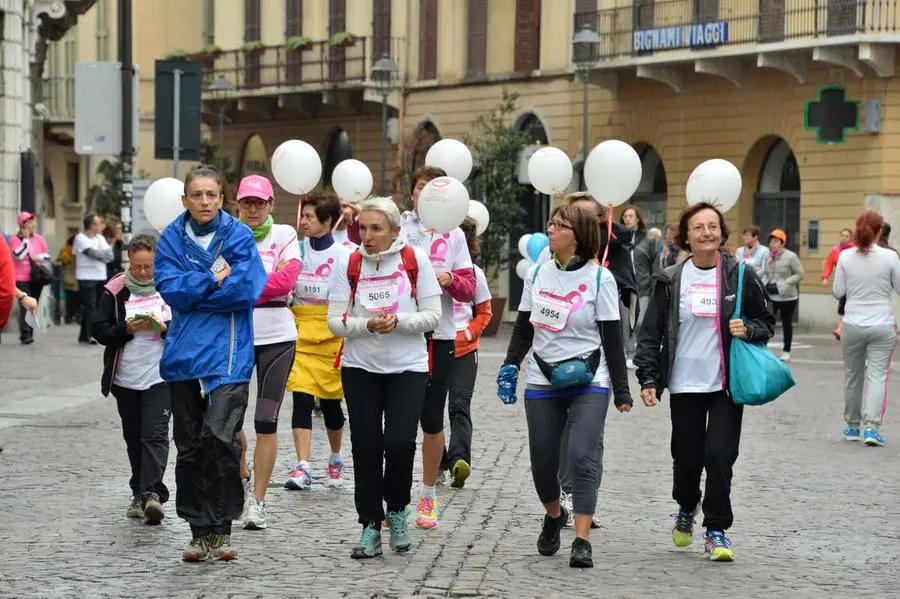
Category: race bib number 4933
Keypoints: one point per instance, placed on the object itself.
(703, 300)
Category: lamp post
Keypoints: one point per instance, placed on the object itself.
(221, 85)
(384, 73)
(584, 45)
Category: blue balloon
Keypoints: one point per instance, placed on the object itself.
(536, 245)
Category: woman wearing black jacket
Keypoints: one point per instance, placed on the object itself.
(131, 322)
(684, 346)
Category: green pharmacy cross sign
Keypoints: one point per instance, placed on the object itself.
(831, 115)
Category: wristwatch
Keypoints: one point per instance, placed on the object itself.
(21, 297)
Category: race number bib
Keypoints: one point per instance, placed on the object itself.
(703, 300)
(379, 294)
(311, 288)
(550, 312)
(152, 305)
(268, 260)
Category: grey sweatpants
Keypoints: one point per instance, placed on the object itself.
(866, 350)
(585, 415)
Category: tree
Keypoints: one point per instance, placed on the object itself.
(105, 197)
(496, 146)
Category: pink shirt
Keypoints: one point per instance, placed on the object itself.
(37, 248)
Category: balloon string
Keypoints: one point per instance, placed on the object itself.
(338, 223)
(609, 237)
(299, 210)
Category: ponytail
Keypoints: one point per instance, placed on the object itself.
(868, 228)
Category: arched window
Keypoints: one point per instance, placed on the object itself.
(776, 204)
(254, 159)
(337, 151)
(651, 194)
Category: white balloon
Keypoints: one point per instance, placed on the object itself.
(550, 170)
(715, 181)
(443, 204)
(352, 180)
(296, 167)
(522, 267)
(451, 155)
(162, 202)
(612, 172)
(479, 213)
(523, 244)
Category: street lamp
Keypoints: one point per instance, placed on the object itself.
(584, 45)
(222, 85)
(384, 73)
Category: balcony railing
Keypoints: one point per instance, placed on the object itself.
(647, 27)
(274, 68)
(59, 97)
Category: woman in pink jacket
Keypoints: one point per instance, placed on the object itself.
(28, 248)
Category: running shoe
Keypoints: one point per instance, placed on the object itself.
(443, 476)
(461, 471)
(683, 531)
(220, 548)
(369, 543)
(135, 510)
(548, 540)
(851, 433)
(718, 547)
(335, 474)
(582, 554)
(785, 356)
(386, 524)
(872, 437)
(196, 551)
(400, 540)
(256, 515)
(566, 501)
(427, 513)
(153, 510)
(300, 478)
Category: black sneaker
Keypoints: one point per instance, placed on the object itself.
(548, 541)
(581, 554)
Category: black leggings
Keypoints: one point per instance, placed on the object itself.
(303, 408)
(443, 352)
(273, 366)
(787, 320)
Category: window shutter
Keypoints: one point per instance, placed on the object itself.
(585, 14)
(428, 34)
(476, 59)
(528, 36)
(706, 11)
(293, 17)
(251, 20)
(381, 29)
(337, 23)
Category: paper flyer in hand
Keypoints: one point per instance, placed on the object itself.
(152, 305)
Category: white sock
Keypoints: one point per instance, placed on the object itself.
(336, 458)
(428, 492)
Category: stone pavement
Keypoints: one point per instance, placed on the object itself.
(815, 516)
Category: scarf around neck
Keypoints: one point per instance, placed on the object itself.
(262, 231)
(207, 229)
(321, 243)
(138, 287)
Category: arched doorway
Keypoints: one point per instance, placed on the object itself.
(776, 204)
(254, 159)
(424, 136)
(651, 194)
(535, 204)
(338, 150)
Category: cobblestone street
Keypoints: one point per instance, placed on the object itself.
(815, 516)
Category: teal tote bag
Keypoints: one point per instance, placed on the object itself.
(755, 375)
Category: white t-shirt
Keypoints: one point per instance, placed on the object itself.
(447, 252)
(698, 365)
(317, 272)
(201, 240)
(276, 325)
(545, 255)
(138, 366)
(565, 307)
(396, 351)
(87, 268)
(340, 237)
(462, 311)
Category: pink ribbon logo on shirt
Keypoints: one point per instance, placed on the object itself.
(576, 298)
(440, 248)
(324, 270)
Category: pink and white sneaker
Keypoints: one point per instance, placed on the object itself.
(335, 474)
(300, 478)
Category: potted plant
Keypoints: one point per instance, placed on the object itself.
(299, 43)
(253, 48)
(208, 53)
(175, 55)
(343, 39)
(496, 144)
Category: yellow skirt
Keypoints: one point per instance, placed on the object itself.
(314, 372)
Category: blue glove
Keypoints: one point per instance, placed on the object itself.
(506, 383)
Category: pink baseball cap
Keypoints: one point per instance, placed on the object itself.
(24, 217)
(255, 186)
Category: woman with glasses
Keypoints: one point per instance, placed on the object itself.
(569, 316)
(684, 346)
(274, 333)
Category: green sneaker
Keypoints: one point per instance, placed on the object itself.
(400, 541)
(369, 543)
(220, 548)
(461, 471)
(683, 531)
(386, 524)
